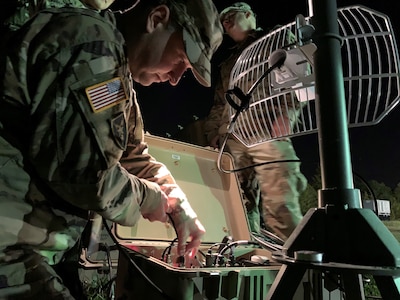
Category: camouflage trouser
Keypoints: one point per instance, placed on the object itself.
(27, 275)
(279, 184)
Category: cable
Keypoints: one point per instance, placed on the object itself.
(374, 198)
(265, 244)
(219, 159)
(276, 60)
(123, 6)
(163, 257)
(133, 263)
(272, 236)
(180, 260)
(111, 294)
(236, 243)
(217, 244)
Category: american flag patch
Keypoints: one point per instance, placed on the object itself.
(106, 94)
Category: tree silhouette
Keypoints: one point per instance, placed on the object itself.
(369, 190)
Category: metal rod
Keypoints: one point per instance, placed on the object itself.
(336, 170)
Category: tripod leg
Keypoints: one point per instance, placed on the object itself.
(353, 286)
(388, 286)
(286, 282)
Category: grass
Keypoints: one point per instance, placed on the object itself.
(371, 290)
(394, 228)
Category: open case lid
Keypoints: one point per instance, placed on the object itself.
(215, 196)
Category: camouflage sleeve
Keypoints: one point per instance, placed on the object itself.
(136, 158)
(77, 88)
(138, 161)
(17, 12)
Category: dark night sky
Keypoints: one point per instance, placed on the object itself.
(374, 149)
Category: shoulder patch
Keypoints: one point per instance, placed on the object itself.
(106, 94)
(119, 129)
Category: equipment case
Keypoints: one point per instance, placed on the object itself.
(216, 198)
(146, 256)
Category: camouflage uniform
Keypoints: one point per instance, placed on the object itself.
(17, 12)
(278, 185)
(61, 149)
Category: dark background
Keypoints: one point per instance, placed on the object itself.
(374, 149)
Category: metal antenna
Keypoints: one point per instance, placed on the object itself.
(351, 240)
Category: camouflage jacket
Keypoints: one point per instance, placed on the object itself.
(17, 12)
(218, 118)
(71, 134)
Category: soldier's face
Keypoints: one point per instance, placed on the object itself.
(168, 63)
(236, 24)
(160, 54)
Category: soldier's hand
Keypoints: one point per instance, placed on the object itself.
(156, 210)
(188, 228)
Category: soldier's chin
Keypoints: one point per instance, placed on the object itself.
(99, 4)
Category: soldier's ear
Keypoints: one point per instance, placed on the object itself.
(158, 15)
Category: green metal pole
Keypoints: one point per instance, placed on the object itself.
(336, 170)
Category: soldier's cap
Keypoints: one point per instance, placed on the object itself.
(202, 34)
(237, 6)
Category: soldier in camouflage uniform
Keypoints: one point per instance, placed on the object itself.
(278, 185)
(71, 133)
(16, 12)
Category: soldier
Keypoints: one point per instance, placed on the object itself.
(275, 188)
(16, 12)
(71, 133)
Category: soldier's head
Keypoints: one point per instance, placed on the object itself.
(238, 19)
(167, 37)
